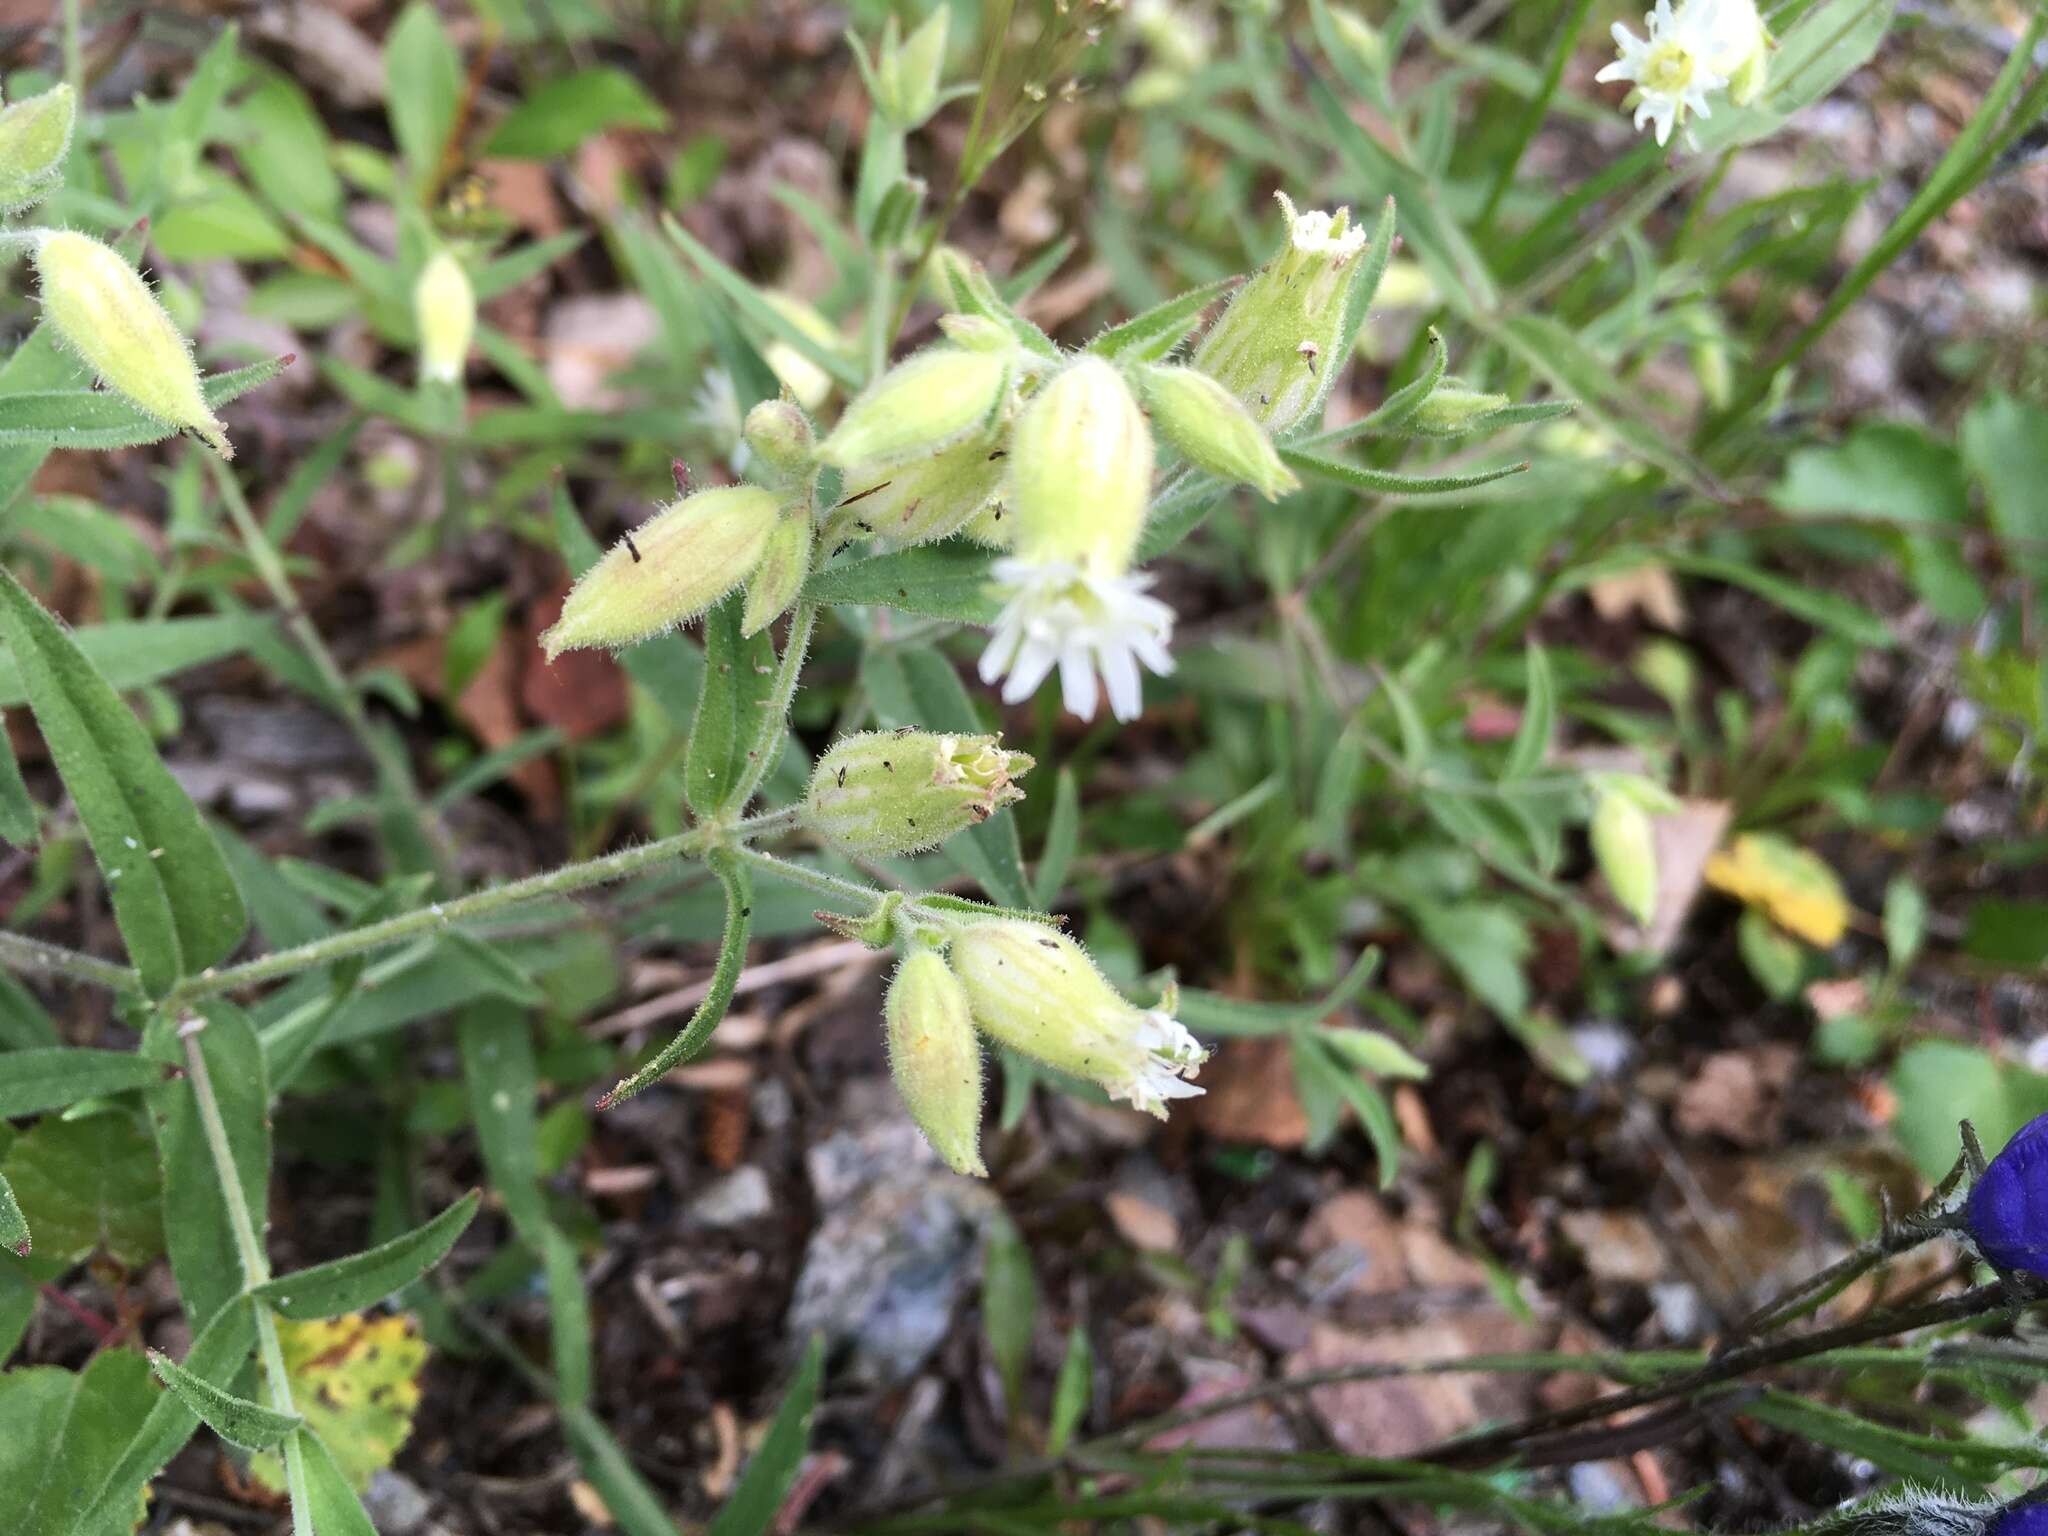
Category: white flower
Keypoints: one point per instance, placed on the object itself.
(1318, 233)
(1674, 69)
(1171, 1055)
(1083, 621)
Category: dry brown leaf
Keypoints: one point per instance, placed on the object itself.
(1143, 1224)
(1253, 1098)
(1648, 590)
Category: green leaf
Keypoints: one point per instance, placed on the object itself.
(39, 363)
(95, 418)
(1155, 334)
(2005, 443)
(2011, 934)
(14, 1231)
(133, 655)
(60, 1434)
(1905, 922)
(1823, 610)
(89, 1186)
(625, 1492)
(1387, 482)
(1214, 1014)
(1072, 1392)
(1062, 841)
(236, 1420)
(759, 314)
(754, 1504)
(1938, 1083)
(949, 580)
(216, 1356)
(1539, 718)
(364, 1279)
(497, 1065)
(1828, 43)
(197, 1227)
(1009, 1306)
(332, 1503)
(285, 150)
(59, 1076)
(563, 112)
(175, 902)
(739, 679)
(1486, 944)
(423, 87)
(19, 819)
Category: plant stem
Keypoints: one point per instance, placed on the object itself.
(32, 957)
(74, 50)
(811, 879)
(255, 1265)
(441, 914)
(385, 753)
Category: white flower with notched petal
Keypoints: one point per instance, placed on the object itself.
(1057, 614)
(1674, 68)
(1081, 476)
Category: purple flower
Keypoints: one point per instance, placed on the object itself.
(2029, 1519)
(2008, 1219)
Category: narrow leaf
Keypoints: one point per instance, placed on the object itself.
(56, 1077)
(364, 1279)
(14, 1232)
(1387, 482)
(235, 1419)
(754, 1504)
(1539, 718)
(332, 1503)
(1149, 337)
(176, 904)
(739, 678)
(941, 581)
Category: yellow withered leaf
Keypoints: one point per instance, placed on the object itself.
(1792, 887)
(357, 1381)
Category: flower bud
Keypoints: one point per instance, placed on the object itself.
(1625, 848)
(779, 434)
(916, 503)
(104, 311)
(1451, 409)
(935, 1057)
(920, 406)
(890, 792)
(1361, 37)
(1081, 470)
(907, 71)
(978, 333)
(1210, 425)
(2007, 1213)
(35, 136)
(444, 313)
(779, 574)
(804, 379)
(1035, 990)
(1276, 346)
(1740, 50)
(668, 570)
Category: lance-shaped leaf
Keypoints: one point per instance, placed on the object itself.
(1386, 482)
(235, 1419)
(56, 1077)
(175, 902)
(95, 418)
(364, 1279)
(14, 1232)
(1152, 336)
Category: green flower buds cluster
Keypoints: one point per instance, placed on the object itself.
(1025, 985)
(444, 314)
(670, 569)
(883, 793)
(105, 312)
(929, 402)
(1624, 841)
(1276, 346)
(35, 136)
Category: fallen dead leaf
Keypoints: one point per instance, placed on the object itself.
(1738, 1094)
(582, 694)
(590, 1504)
(1141, 1223)
(1685, 839)
(1398, 1416)
(1253, 1098)
(1648, 590)
(1620, 1247)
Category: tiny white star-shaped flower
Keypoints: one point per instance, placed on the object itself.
(1673, 69)
(1082, 621)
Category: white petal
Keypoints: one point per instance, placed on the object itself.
(1077, 684)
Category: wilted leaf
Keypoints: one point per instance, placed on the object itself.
(1785, 882)
(357, 1382)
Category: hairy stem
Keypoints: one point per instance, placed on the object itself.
(32, 957)
(255, 1265)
